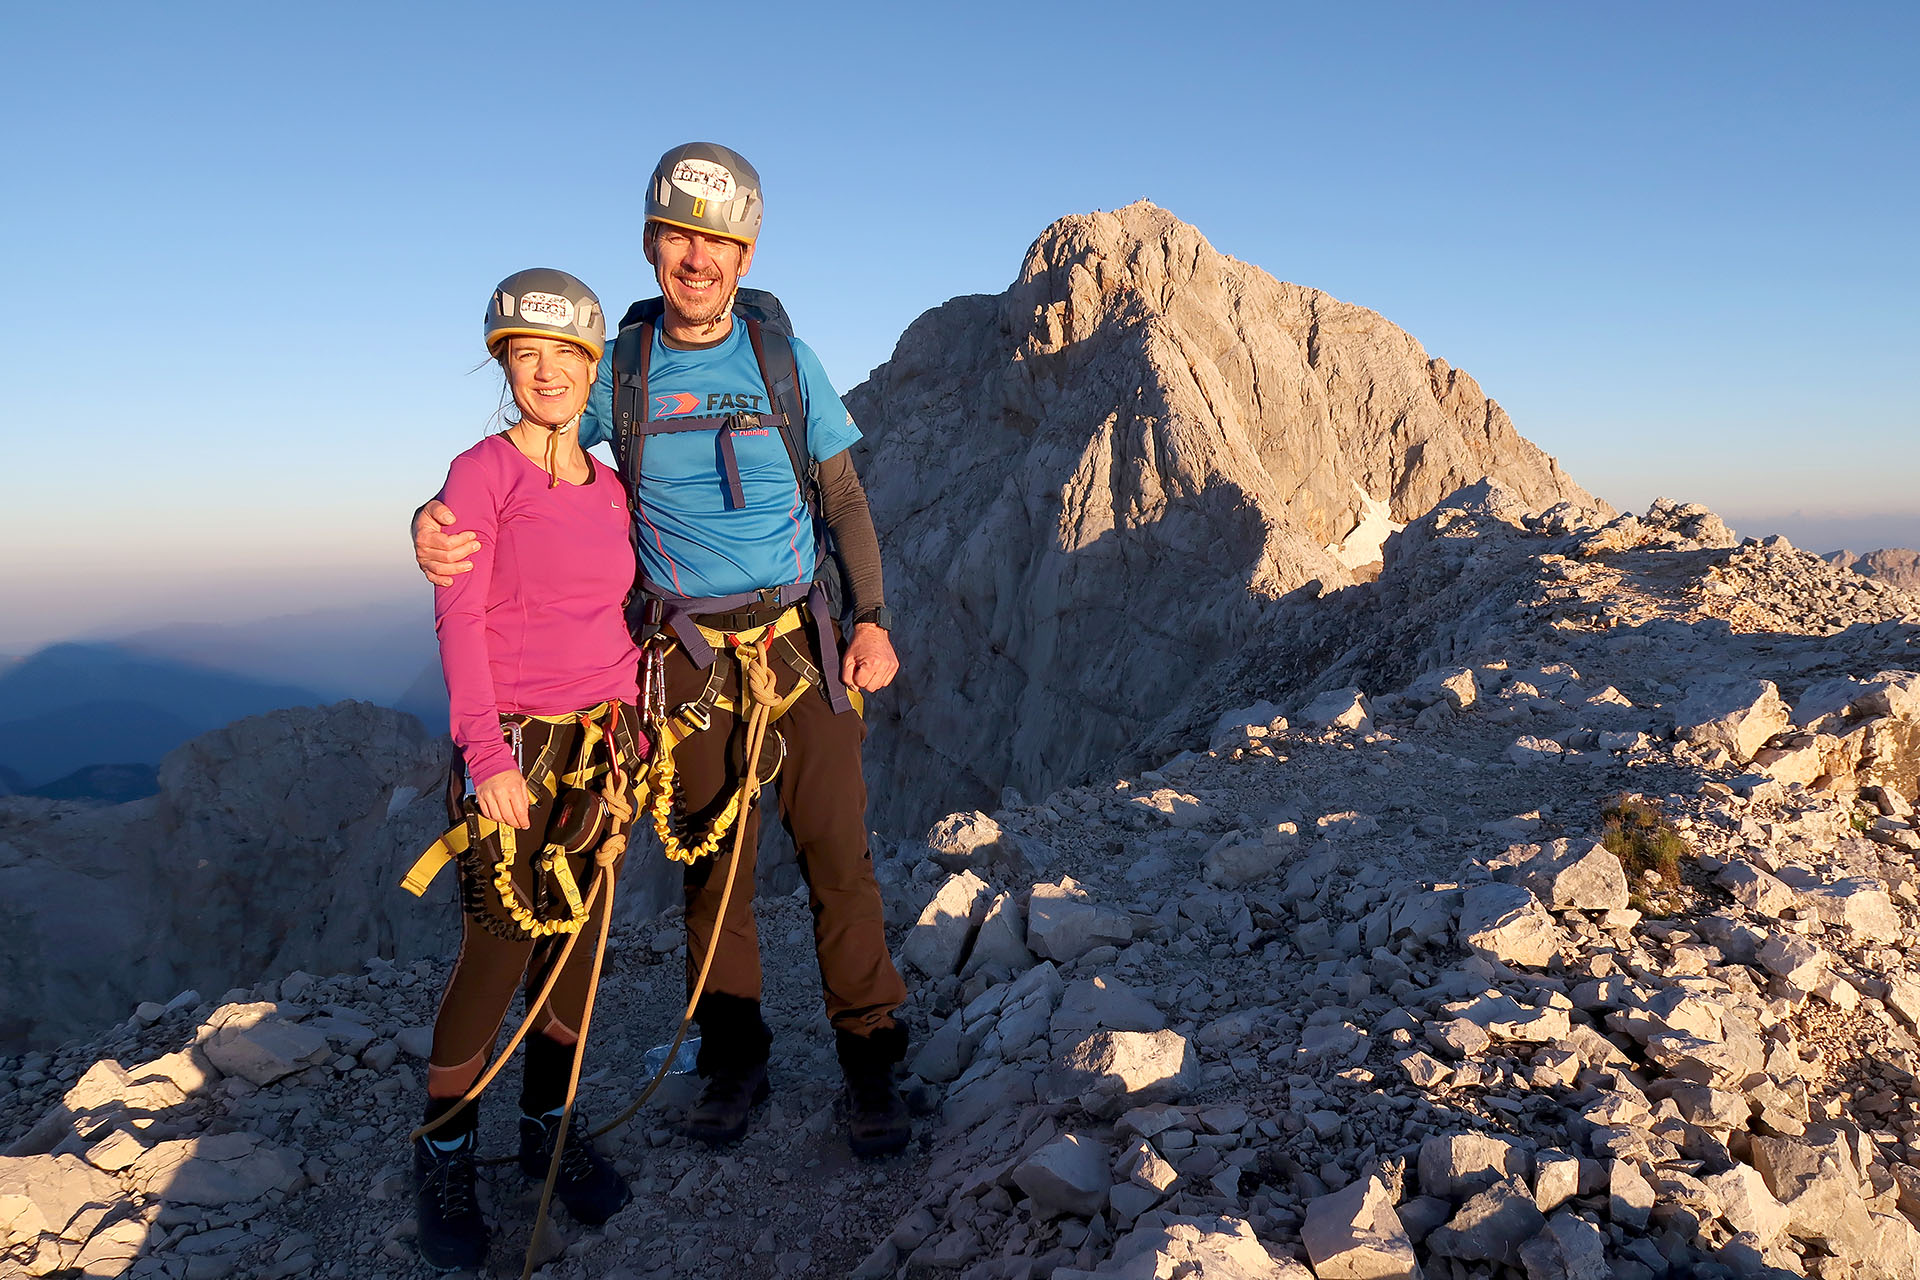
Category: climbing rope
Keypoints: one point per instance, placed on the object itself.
(603, 859)
(620, 812)
(544, 782)
(663, 800)
(757, 682)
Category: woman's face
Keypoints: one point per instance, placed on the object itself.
(551, 379)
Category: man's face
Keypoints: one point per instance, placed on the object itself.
(698, 272)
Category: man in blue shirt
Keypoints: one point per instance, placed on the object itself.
(726, 540)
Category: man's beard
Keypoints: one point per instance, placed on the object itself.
(707, 309)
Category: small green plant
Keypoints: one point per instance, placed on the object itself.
(1635, 831)
(1860, 822)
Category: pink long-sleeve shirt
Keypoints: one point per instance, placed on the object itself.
(536, 626)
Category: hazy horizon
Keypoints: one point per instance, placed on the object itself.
(398, 587)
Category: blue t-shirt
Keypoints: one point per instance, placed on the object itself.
(692, 540)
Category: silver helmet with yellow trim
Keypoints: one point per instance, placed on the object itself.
(704, 186)
(541, 302)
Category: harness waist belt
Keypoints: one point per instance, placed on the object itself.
(684, 614)
(743, 619)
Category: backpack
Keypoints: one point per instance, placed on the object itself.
(770, 332)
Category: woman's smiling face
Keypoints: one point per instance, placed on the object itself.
(551, 378)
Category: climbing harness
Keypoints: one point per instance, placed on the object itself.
(758, 689)
(663, 800)
(488, 893)
(583, 817)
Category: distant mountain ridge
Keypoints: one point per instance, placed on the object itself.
(73, 705)
(1897, 565)
(103, 784)
(373, 651)
(101, 704)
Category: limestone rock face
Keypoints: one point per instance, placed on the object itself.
(274, 844)
(1088, 487)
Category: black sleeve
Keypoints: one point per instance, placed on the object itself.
(843, 504)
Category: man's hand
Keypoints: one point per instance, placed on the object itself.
(868, 662)
(441, 557)
(503, 797)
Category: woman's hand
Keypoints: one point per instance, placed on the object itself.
(503, 797)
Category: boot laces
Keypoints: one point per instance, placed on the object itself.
(452, 1182)
(579, 1163)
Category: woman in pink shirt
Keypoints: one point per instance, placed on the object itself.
(538, 662)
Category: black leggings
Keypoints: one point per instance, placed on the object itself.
(490, 967)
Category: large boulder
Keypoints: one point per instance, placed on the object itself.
(1216, 1248)
(1735, 713)
(217, 1169)
(1109, 1071)
(1566, 874)
(1064, 922)
(1354, 1234)
(938, 940)
(42, 1194)
(1071, 1174)
(1505, 922)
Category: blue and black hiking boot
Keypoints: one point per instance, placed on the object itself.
(590, 1187)
(452, 1234)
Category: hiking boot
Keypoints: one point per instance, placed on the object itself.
(590, 1187)
(877, 1123)
(734, 1042)
(727, 1103)
(452, 1234)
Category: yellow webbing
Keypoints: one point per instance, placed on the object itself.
(786, 623)
(756, 678)
(613, 791)
(457, 840)
(658, 782)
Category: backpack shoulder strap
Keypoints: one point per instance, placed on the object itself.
(632, 353)
(781, 372)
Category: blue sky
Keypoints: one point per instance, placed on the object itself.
(249, 245)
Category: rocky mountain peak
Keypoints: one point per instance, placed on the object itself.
(1090, 486)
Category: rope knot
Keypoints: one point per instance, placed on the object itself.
(756, 669)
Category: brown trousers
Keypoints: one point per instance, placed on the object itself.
(823, 805)
(489, 968)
